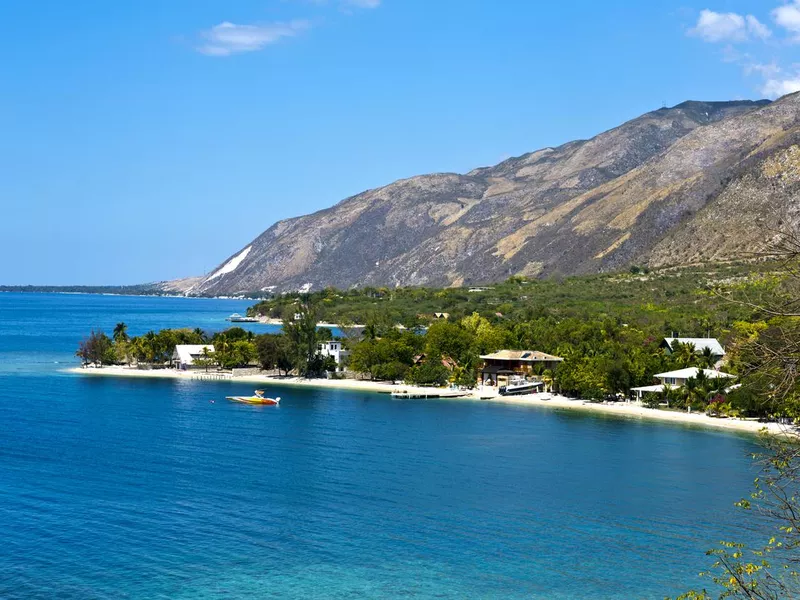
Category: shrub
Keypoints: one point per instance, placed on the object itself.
(652, 400)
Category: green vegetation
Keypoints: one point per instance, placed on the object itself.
(670, 300)
(234, 348)
(608, 329)
(766, 353)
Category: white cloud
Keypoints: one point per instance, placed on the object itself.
(788, 17)
(775, 88)
(769, 70)
(728, 27)
(757, 29)
(720, 27)
(228, 38)
(777, 75)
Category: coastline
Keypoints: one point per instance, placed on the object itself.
(621, 410)
(271, 321)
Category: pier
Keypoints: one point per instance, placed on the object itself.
(212, 376)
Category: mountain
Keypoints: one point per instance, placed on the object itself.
(700, 181)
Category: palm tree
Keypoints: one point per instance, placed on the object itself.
(716, 387)
(120, 333)
(707, 359)
(149, 348)
(698, 388)
(547, 378)
(685, 354)
(691, 389)
(222, 349)
(134, 350)
(207, 357)
(703, 380)
(671, 395)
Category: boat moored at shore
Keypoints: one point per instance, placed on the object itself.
(521, 387)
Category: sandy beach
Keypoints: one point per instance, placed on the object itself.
(619, 409)
(270, 321)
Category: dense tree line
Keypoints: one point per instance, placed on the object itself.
(294, 350)
(672, 300)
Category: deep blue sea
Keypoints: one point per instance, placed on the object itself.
(115, 488)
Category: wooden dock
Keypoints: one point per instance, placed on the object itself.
(424, 394)
(212, 376)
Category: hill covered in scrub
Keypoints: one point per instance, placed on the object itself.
(699, 182)
(680, 301)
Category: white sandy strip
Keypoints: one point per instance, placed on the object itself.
(271, 321)
(630, 411)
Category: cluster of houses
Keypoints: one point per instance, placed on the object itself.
(508, 368)
(678, 379)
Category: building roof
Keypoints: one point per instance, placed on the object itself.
(692, 372)
(649, 389)
(447, 362)
(700, 344)
(522, 356)
(187, 353)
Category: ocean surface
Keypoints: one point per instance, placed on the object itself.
(115, 488)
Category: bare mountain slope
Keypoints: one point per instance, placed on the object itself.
(641, 193)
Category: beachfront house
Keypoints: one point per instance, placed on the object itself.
(336, 351)
(184, 356)
(701, 345)
(502, 367)
(678, 379)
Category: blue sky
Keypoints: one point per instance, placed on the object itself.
(149, 139)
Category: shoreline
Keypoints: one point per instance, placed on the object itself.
(272, 321)
(622, 410)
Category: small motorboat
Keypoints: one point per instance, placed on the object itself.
(257, 398)
(521, 387)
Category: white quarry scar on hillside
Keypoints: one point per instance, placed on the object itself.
(232, 264)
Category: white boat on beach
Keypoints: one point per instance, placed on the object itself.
(521, 387)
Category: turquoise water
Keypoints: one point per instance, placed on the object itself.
(114, 488)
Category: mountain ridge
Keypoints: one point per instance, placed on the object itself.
(585, 206)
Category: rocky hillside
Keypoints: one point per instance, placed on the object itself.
(700, 181)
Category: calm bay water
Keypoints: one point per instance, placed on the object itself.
(113, 488)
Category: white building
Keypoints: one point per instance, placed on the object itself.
(335, 350)
(700, 346)
(678, 379)
(184, 355)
